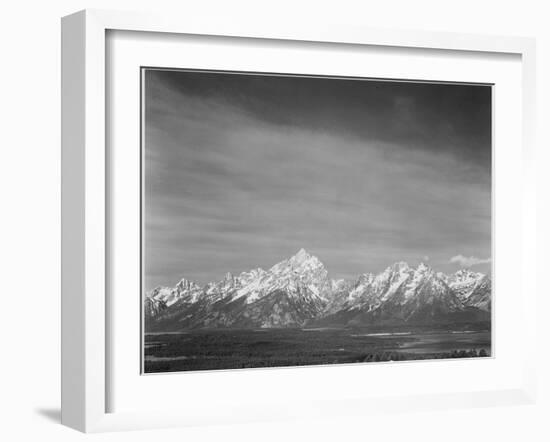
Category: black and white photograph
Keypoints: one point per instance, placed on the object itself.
(294, 220)
(275, 221)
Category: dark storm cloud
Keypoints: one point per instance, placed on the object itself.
(241, 171)
(439, 117)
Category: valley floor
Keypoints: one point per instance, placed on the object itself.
(230, 349)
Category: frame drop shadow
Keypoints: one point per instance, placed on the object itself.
(51, 414)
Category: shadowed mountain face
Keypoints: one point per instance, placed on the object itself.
(298, 291)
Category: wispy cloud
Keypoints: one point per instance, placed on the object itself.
(232, 182)
(468, 261)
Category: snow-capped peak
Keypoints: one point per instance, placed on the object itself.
(300, 256)
(184, 289)
(465, 274)
(228, 278)
(464, 282)
(423, 268)
(400, 266)
(301, 262)
(185, 284)
(302, 259)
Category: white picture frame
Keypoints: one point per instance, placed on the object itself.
(86, 202)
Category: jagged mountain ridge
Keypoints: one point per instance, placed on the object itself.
(298, 291)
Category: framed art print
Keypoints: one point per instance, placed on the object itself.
(251, 211)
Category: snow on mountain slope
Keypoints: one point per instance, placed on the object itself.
(463, 282)
(298, 291)
(340, 295)
(303, 275)
(161, 294)
(480, 296)
(398, 294)
(288, 294)
(184, 289)
(153, 307)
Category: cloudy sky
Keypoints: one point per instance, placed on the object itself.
(241, 171)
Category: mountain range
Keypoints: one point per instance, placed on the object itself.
(298, 292)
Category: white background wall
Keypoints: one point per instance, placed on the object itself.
(30, 221)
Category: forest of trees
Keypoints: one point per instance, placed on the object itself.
(387, 356)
